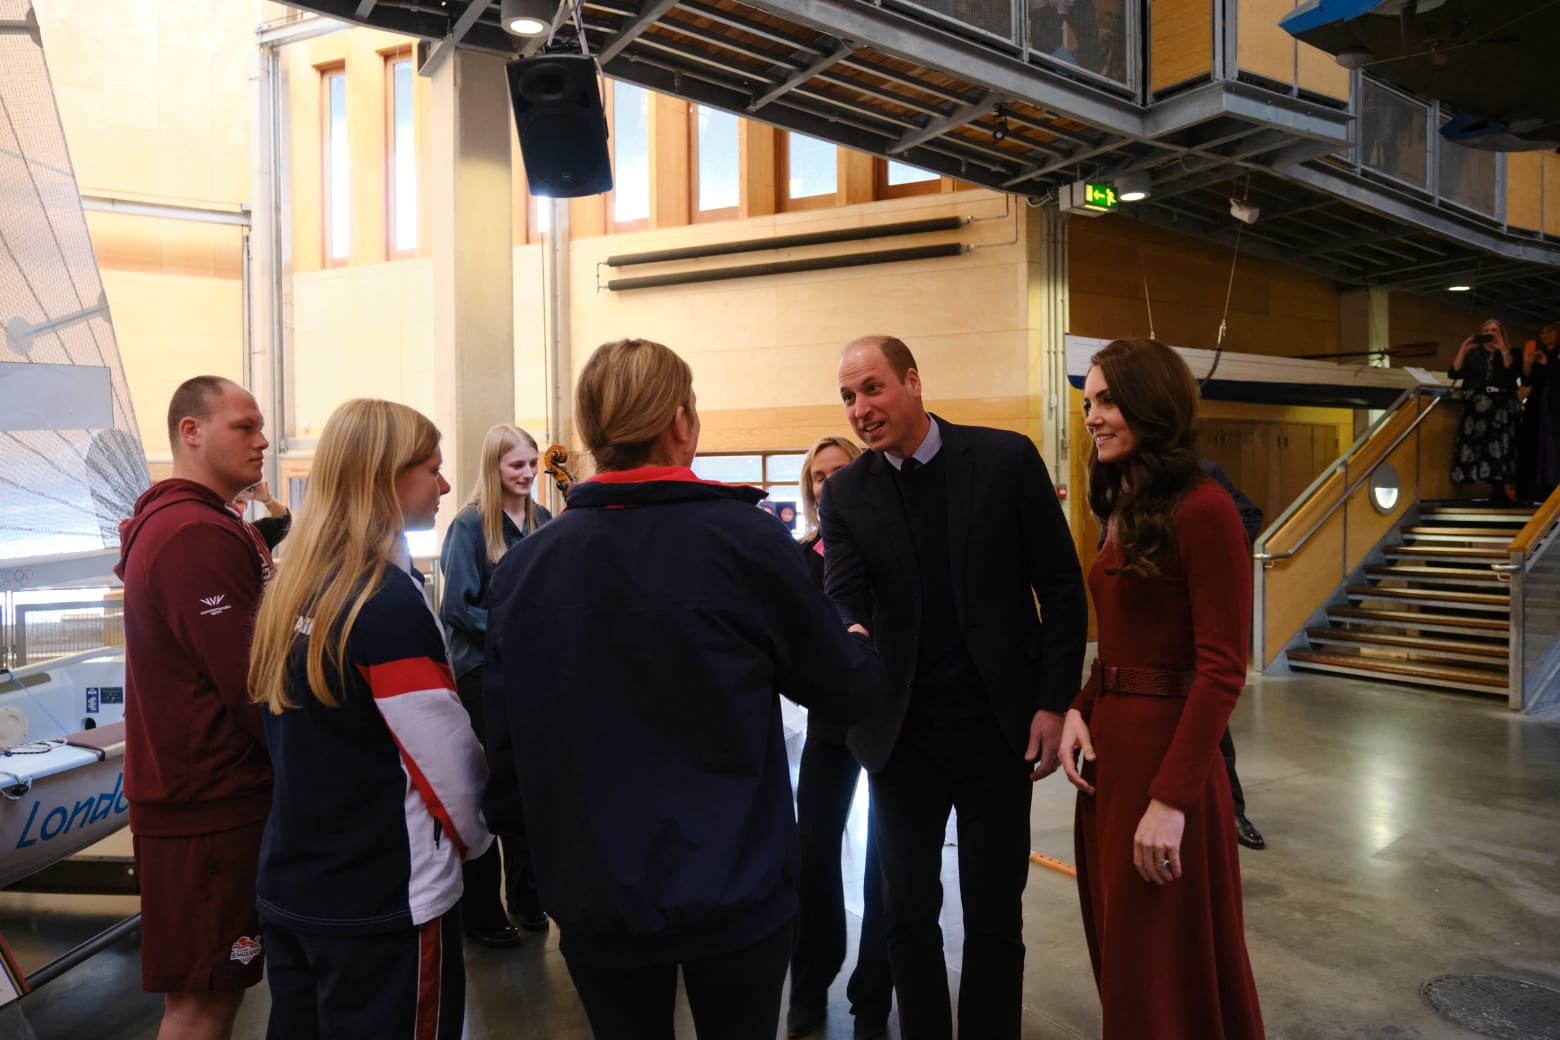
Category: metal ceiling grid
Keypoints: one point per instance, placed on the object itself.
(900, 82)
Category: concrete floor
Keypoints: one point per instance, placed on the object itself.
(1409, 835)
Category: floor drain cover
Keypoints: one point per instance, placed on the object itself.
(1509, 1009)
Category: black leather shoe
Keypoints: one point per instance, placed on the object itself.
(870, 1030)
(533, 921)
(800, 1021)
(1248, 835)
(498, 937)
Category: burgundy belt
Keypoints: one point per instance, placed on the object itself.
(1151, 682)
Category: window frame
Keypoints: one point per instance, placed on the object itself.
(784, 201)
(613, 225)
(392, 58)
(327, 73)
(881, 189)
(705, 216)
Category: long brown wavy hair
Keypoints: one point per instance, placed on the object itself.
(1136, 496)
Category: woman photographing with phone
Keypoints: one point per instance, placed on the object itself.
(1158, 866)
(1485, 451)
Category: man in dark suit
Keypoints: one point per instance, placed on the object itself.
(940, 540)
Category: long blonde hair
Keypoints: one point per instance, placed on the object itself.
(487, 497)
(628, 393)
(345, 535)
(809, 503)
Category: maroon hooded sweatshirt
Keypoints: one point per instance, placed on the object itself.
(195, 756)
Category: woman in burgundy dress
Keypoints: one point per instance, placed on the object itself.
(1158, 867)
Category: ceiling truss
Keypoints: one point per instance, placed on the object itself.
(909, 87)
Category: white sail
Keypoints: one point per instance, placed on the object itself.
(71, 461)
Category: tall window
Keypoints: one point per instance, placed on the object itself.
(337, 169)
(402, 164)
(630, 153)
(811, 170)
(717, 166)
(779, 473)
(896, 179)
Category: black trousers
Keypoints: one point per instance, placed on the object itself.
(825, 788)
(491, 873)
(1227, 749)
(396, 984)
(967, 766)
(735, 996)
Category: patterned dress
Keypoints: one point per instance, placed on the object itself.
(1486, 449)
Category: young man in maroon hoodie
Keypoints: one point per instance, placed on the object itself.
(197, 774)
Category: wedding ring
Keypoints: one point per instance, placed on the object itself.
(1164, 864)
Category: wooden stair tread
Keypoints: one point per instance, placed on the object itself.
(1409, 570)
(1489, 599)
(1494, 651)
(1403, 616)
(1478, 676)
(1522, 513)
(1433, 551)
(1461, 532)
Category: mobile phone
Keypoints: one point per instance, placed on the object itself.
(1484, 337)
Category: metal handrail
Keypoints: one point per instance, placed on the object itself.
(1359, 442)
(1342, 463)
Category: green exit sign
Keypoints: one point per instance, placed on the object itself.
(1099, 196)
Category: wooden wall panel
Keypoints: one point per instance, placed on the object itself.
(1261, 47)
(757, 166)
(1525, 190)
(1085, 527)
(1436, 436)
(1552, 194)
(1181, 35)
(1444, 321)
(857, 176)
(1297, 586)
(1366, 526)
(1319, 73)
(670, 204)
(1274, 309)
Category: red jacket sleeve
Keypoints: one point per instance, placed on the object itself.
(1084, 702)
(211, 599)
(1211, 544)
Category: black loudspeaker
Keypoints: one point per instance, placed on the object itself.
(562, 126)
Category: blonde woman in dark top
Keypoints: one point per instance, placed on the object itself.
(499, 513)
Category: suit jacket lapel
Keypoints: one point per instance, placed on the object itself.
(891, 512)
(959, 472)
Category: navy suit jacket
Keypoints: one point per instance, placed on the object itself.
(1009, 546)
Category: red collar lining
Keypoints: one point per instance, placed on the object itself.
(648, 474)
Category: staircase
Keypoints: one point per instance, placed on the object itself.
(1433, 613)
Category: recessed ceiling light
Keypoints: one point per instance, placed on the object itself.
(1458, 288)
(527, 17)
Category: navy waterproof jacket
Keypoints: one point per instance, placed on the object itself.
(642, 717)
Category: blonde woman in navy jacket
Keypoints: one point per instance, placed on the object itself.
(646, 732)
(378, 772)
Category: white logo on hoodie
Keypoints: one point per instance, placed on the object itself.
(215, 605)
